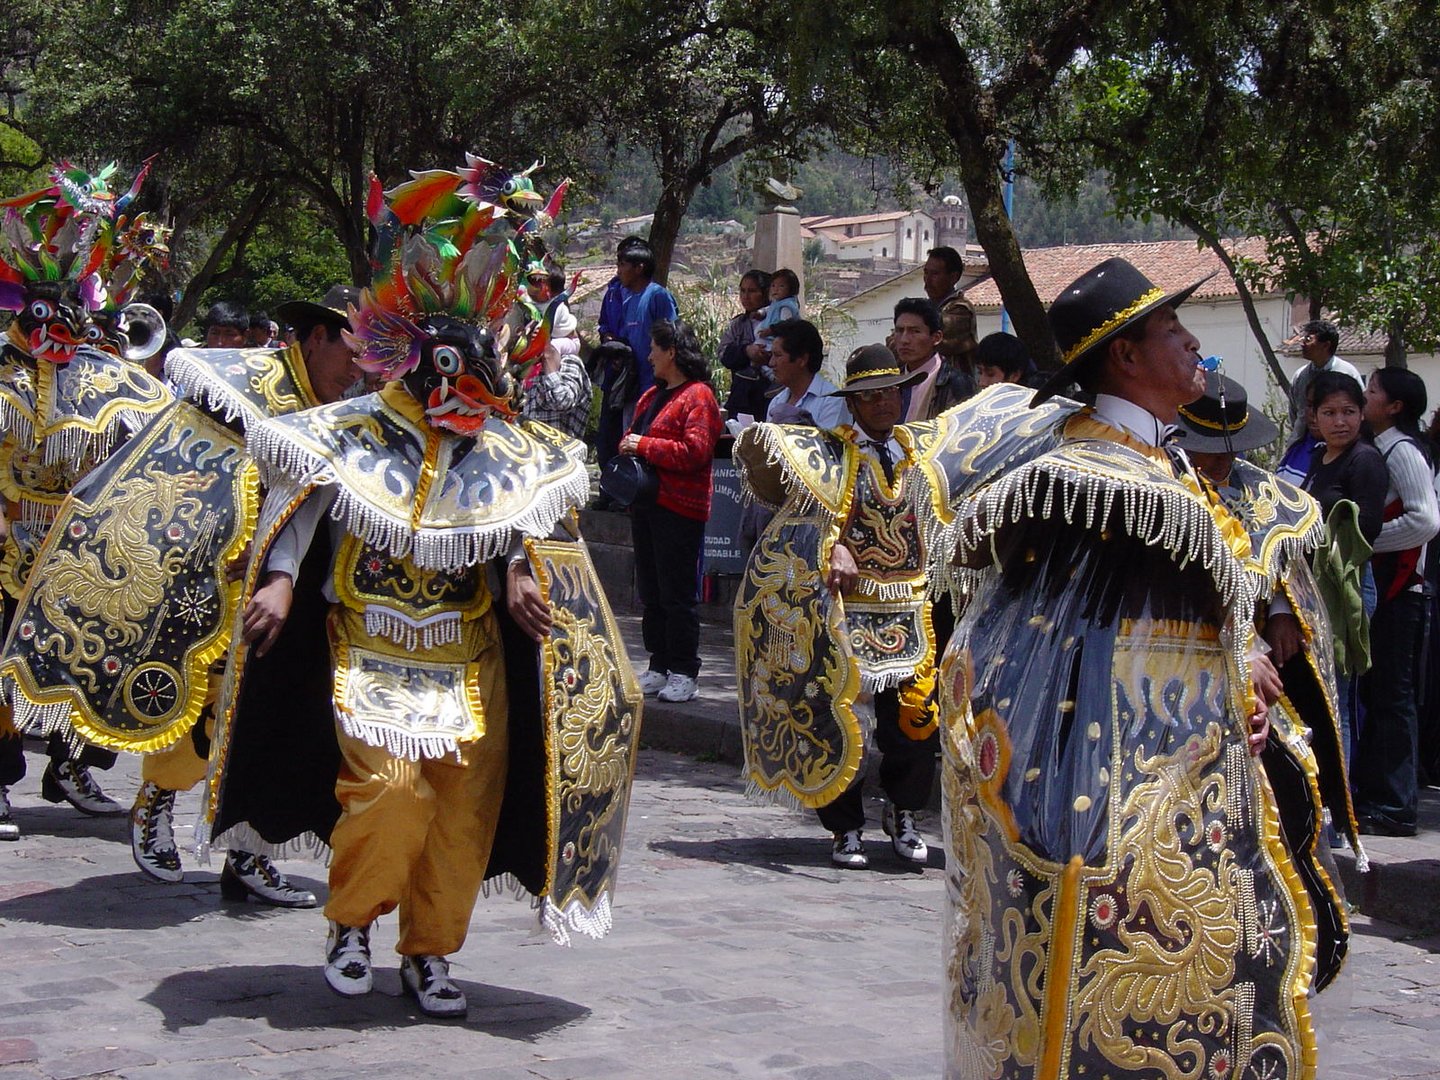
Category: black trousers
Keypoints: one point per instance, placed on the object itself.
(907, 769)
(667, 575)
(12, 757)
(12, 754)
(1387, 754)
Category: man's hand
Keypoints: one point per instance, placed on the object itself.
(1268, 686)
(550, 360)
(527, 606)
(843, 571)
(267, 611)
(1284, 636)
(235, 570)
(1267, 691)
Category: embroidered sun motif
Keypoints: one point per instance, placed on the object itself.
(1104, 911)
(1220, 1065)
(1270, 932)
(1215, 835)
(1015, 882)
(194, 606)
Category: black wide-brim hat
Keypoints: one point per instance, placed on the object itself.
(333, 309)
(874, 367)
(1204, 424)
(1094, 308)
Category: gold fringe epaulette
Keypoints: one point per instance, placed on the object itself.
(444, 501)
(1096, 485)
(248, 385)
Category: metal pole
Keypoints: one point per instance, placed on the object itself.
(1009, 196)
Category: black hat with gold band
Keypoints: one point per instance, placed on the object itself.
(1205, 422)
(874, 367)
(333, 309)
(1094, 308)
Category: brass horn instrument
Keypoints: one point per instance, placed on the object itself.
(141, 330)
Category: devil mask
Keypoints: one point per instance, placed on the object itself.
(55, 322)
(460, 378)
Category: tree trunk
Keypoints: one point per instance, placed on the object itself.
(240, 228)
(1395, 351)
(1247, 301)
(665, 228)
(1007, 265)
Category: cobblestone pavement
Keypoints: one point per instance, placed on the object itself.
(737, 952)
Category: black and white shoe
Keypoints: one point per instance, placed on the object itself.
(246, 875)
(427, 979)
(72, 783)
(849, 851)
(8, 829)
(152, 833)
(904, 836)
(347, 960)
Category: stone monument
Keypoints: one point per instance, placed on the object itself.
(777, 231)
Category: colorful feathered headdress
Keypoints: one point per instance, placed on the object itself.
(439, 251)
(76, 229)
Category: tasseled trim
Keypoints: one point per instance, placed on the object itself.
(887, 590)
(73, 443)
(1170, 519)
(1362, 860)
(412, 634)
(17, 426)
(1278, 556)
(38, 718)
(780, 796)
(593, 922)
(198, 383)
(412, 746)
(874, 682)
(446, 550)
(798, 494)
(38, 516)
(241, 837)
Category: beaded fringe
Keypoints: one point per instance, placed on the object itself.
(36, 718)
(412, 634)
(242, 837)
(446, 550)
(197, 383)
(1176, 522)
(410, 745)
(18, 426)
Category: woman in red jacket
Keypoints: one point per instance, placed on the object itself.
(677, 422)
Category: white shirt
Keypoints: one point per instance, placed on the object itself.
(827, 412)
(1412, 483)
(1132, 419)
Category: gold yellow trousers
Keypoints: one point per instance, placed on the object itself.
(417, 834)
(178, 767)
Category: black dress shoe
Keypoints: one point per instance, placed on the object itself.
(1377, 825)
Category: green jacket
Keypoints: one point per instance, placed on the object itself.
(1339, 565)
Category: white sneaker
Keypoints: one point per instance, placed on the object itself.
(679, 688)
(427, 979)
(347, 960)
(652, 682)
(848, 850)
(904, 836)
(152, 833)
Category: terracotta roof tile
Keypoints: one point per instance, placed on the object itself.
(1170, 264)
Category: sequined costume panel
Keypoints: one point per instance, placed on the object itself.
(591, 706)
(114, 637)
(1121, 899)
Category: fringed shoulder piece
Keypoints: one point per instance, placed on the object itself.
(1097, 485)
(443, 500)
(780, 460)
(244, 384)
(1283, 522)
(77, 411)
